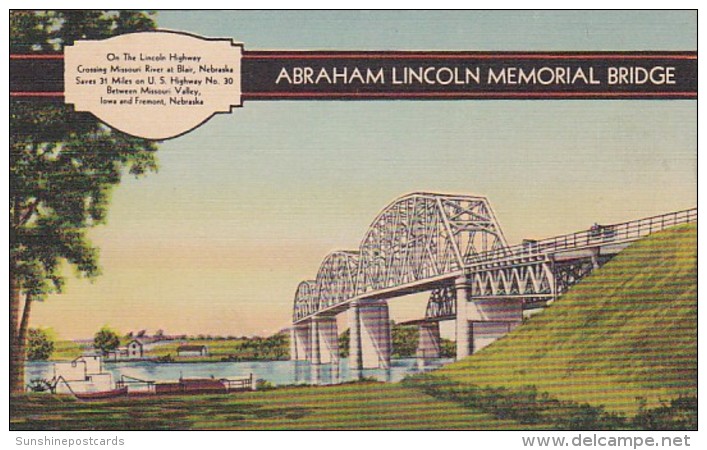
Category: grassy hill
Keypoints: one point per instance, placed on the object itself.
(625, 338)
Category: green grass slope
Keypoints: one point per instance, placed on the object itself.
(623, 338)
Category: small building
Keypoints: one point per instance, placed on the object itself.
(135, 349)
(192, 350)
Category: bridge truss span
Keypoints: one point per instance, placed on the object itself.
(306, 300)
(336, 279)
(426, 241)
(423, 236)
(530, 280)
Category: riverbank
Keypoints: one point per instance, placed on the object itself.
(165, 349)
(278, 373)
(212, 349)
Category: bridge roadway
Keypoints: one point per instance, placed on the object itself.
(479, 281)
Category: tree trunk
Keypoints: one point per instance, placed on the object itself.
(17, 351)
(22, 336)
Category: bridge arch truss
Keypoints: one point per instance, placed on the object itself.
(418, 237)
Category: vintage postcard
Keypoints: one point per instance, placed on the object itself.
(354, 220)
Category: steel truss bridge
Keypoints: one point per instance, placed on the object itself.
(452, 246)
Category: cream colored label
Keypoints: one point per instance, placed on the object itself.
(154, 85)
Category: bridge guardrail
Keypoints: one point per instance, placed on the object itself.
(620, 232)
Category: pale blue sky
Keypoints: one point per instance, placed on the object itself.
(248, 205)
(444, 30)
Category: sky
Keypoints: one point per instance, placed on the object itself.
(248, 205)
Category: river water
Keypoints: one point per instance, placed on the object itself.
(276, 372)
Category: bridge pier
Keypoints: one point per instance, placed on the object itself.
(429, 342)
(480, 321)
(300, 344)
(325, 340)
(370, 342)
(463, 327)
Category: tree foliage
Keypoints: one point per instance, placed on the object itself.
(63, 165)
(40, 345)
(344, 341)
(404, 340)
(449, 348)
(106, 340)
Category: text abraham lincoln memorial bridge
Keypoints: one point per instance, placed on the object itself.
(453, 247)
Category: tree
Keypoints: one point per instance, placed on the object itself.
(449, 348)
(106, 340)
(40, 345)
(404, 341)
(344, 339)
(63, 165)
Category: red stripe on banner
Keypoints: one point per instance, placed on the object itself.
(402, 55)
(36, 94)
(37, 56)
(435, 55)
(247, 95)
